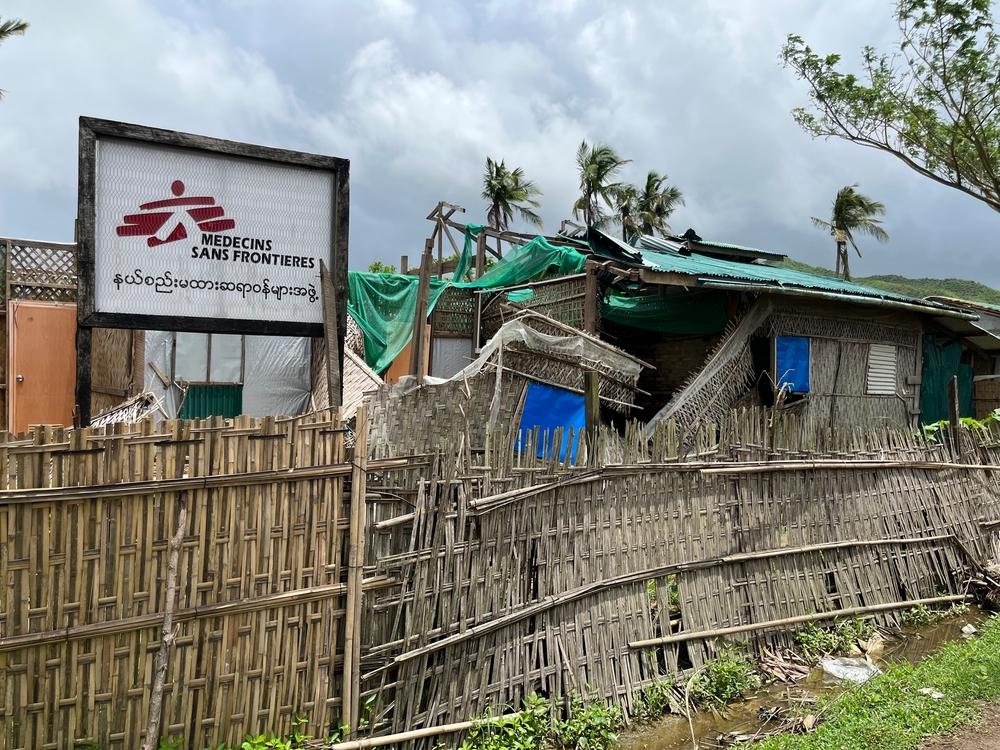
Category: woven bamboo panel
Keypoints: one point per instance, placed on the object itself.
(839, 342)
(113, 375)
(563, 301)
(426, 419)
(454, 312)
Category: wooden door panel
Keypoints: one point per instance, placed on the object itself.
(42, 363)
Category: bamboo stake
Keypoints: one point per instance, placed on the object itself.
(355, 563)
(849, 612)
(167, 636)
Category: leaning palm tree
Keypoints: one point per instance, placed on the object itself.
(598, 165)
(508, 192)
(646, 210)
(9, 28)
(852, 213)
(657, 201)
(626, 208)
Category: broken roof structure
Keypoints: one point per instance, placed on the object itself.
(717, 325)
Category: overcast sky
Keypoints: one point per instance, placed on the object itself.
(417, 94)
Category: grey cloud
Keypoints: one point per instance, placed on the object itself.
(416, 94)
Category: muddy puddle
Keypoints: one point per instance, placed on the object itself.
(749, 716)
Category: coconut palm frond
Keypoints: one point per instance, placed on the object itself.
(12, 27)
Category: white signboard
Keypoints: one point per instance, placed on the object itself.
(186, 233)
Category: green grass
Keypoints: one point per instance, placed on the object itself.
(919, 288)
(888, 712)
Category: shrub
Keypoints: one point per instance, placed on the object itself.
(590, 726)
(725, 678)
(655, 701)
(525, 731)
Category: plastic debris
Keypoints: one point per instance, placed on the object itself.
(969, 629)
(932, 693)
(852, 669)
(873, 645)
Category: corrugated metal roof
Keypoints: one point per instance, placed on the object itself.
(742, 248)
(662, 255)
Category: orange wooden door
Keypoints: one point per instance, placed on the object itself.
(42, 363)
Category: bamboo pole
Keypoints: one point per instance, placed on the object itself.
(955, 419)
(167, 636)
(701, 635)
(333, 378)
(764, 468)
(418, 350)
(591, 302)
(161, 486)
(355, 563)
(416, 734)
(218, 609)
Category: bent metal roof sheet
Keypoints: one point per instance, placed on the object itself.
(663, 255)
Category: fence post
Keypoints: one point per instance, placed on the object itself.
(355, 562)
(418, 350)
(954, 420)
(591, 301)
(333, 375)
(592, 409)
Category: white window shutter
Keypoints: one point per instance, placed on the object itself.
(881, 370)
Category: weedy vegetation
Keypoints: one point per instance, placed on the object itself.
(817, 641)
(924, 615)
(889, 711)
(592, 725)
(731, 675)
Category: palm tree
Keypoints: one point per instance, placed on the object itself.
(626, 207)
(598, 164)
(508, 192)
(852, 213)
(9, 28)
(646, 211)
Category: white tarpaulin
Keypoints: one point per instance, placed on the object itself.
(275, 370)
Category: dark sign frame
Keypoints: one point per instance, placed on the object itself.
(94, 129)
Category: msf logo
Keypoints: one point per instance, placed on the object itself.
(165, 220)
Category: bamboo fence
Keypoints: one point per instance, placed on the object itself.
(602, 578)
(410, 592)
(265, 584)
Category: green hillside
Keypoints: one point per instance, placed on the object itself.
(958, 288)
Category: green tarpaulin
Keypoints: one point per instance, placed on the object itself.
(384, 304)
(942, 361)
(693, 313)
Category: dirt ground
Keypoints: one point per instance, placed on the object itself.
(983, 735)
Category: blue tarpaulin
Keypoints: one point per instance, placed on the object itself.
(792, 363)
(546, 408)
